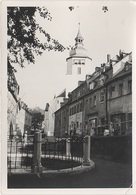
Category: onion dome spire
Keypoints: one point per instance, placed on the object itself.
(79, 39)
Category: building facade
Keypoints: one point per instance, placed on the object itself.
(49, 116)
(61, 121)
(19, 118)
(119, 95)
(78, 65)
(12, 107)
(104, 97)
(24, 119)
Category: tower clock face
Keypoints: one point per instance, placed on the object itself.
(79, 61)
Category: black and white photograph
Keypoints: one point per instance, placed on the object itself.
(67, 119)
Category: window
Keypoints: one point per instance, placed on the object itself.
(119, 123)
(129, 121)
(78, 94)
(80, 126)
(78, 70)
(130, 86)
(81, 105)
(79, 62)
(128, 66)
(102, 96)
(94, 101)
(75, 62)
(112, 91)
(91, 85)
(90, 102)
(102, 80)
(72, 111)
(120, 89)
(77, 108)
(86, 103)
(82, 61)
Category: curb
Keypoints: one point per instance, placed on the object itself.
(69, 171)
(50, 173)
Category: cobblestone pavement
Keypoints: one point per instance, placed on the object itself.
(106, 174)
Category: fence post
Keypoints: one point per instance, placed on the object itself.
(68, 147)
(86, 151)
(37, 167)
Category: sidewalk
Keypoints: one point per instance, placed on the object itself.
(106, 174)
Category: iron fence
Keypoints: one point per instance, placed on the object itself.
(55, 154)
(19, 154)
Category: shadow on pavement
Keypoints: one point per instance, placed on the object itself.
(106, 174)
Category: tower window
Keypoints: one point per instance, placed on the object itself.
(79, 62)
(78, 70)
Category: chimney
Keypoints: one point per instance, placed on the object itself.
(97, 69)
(80, 82)
(108, 58)
(88, 76)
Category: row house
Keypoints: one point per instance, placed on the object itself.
(119, 95)
(19, 119)
(104, 97)
(24, 119)
(61, 121)
(50, 109)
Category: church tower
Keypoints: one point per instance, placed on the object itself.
(78, 62)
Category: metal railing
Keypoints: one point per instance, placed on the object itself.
(55, 154)
(114, 129)
(63, 153)
(110, 129)
(19, 154)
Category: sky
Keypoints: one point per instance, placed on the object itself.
(103, 33)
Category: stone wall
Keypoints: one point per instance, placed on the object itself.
(117, 148)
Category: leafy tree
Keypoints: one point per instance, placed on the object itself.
(23, 43)
(37, 119)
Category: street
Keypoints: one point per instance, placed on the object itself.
(106, 174)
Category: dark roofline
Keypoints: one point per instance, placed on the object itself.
(78, 57)
(119, 75)
(61, 107)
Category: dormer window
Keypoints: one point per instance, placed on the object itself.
(128, 66)
(102, 79)
(91, 85)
